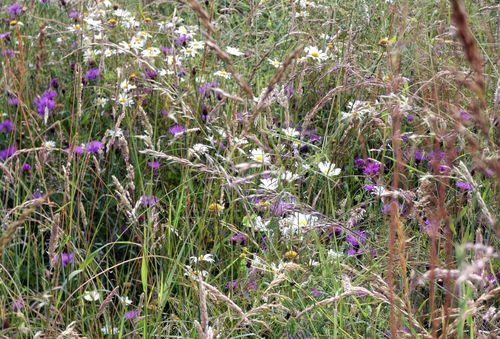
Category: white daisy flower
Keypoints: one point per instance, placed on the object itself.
(260, 156)
(269, 184)
(125, 300)
(289, 176)
(196, 45)
(290, 132)
(204, 257)
(91, 295)
(126, 86)
(101, 101)
(315, 54)
(274, 62)
(234, 51)
(328, 169)
(223, 74)
(334, 254)
(125, 100)
(151, 52)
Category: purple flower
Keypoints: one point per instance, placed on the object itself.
(14, 10)
(360, 163)
(37, 194)
(12, 101)
(464, 186)
(74, 15)
(182, 40)
(252, 286)
(46, 103)
(5, 36)
(231, 285)
(419, 155)
(176, 130)
(8, 53)
(7, 153)
(239, 239)
(131, 315)
(410, 118)
(44, 1)
(203, 89)
(352, 252)
(150, 74)
(281, 208)
(93, 74)
(356, 238)
(18, 304)
(26, 167)
(6, 127)
(154, 165)
(78, 150)
(373, 168)
(167, 50)
(54, 83)
(314, 138)
(149, 201)
(94, 147)
(465, 117)
(370, 188)
(288, 91)
(315, 293)
(67, 258)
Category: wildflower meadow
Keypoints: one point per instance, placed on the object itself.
(249, 168)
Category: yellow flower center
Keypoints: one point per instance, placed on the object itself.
(315, 54)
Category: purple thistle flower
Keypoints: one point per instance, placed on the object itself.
(352, 252)
(6, 127)
(94, 147)
(360, 163)
(74, 15)
(18, 304)
(314, 138)
(78, 150)
(46, 103)
(315, 293)
(5, 36)
(182, 40)
(150, 74)
(410, 118)
(54, 83)
(67, 258)
(176, 130)
(356, 238)
(131, 315)
(149, 201)
(252, 286)
(465, 117)
(231, 285)
(14, 10)
(419, 155)
(154, 165)
(12, 101)
(7, 153)
(92, 74)
(26, 167)
(373, 168)
(37, 194)
(167, 50)
(464, 186)
(8, 53)
(369, 188)
(239, 239)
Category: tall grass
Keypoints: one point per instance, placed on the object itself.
(298, 169)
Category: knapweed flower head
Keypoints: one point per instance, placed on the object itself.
(372, 168)
(8, 152)
(12, 100)
(6, 126)
(464, 186)
(14, 10)
(154, 165)
(93, 74)
(67, 258)
(149, 200)
(131, 315)
(46, 103)
(18, 305)
(94, 147)
(176, 130)
(239, 239)
(26, 168)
